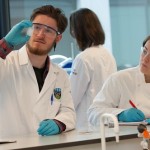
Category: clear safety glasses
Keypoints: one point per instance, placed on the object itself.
(46, 30)
(144, 51)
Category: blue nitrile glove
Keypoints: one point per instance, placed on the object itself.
(147, 120)
(15, 35)
(131, 115)
(48, 127)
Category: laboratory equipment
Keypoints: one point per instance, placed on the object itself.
(27, 31)
(102, 128)
(57, 59)
(145, 134)
(67, 64)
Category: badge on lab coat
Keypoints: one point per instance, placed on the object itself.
(57, 93)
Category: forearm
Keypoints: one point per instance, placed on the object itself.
(5, 48)
(97, 109)
(62, 126)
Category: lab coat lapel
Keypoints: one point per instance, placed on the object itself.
(50, 80)
(24, 60)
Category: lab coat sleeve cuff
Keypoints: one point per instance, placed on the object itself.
(116, 112)
(62, 126)
(5, 48)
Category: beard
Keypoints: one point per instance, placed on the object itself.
(38, 51)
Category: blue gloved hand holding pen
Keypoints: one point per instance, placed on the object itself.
(131, 115)
(15, 35)
(48, 127)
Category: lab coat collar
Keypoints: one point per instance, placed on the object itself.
(24, 59)
(23, 56)
(51, 76)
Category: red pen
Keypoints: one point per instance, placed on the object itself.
(132, 104)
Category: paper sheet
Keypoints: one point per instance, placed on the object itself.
(7, 141)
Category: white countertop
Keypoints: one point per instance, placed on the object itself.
(70, 138)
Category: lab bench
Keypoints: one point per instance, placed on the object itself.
(74, 140)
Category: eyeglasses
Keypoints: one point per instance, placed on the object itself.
(144, 51)
(47, 30)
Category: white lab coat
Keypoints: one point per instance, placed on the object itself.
(22, 107)
(89, 71)
(121, 87)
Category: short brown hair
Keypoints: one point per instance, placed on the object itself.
(55, 13)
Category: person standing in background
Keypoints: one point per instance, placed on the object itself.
(92, 66)
(35, 94)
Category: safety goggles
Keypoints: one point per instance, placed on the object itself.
(145, 51)
(47, 30)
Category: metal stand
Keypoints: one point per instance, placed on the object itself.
(145, 144)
